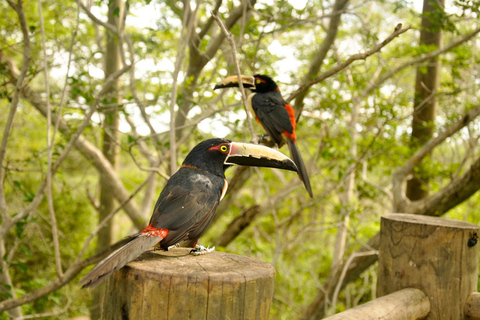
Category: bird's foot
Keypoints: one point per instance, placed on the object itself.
(266, 140)
(173, 246)
(198, 250)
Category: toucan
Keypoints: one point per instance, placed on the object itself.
(276, 116)
(188, 202)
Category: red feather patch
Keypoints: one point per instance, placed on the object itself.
(155, 232)
(291, 114)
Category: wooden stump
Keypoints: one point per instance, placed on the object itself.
(176, 285)
(438, 256)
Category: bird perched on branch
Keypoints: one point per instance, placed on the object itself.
(276, 116)
(189, 200)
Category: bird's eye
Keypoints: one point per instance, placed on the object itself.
(223, 148)
(258, 81)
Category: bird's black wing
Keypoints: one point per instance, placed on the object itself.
(270, 110)
(187, 204)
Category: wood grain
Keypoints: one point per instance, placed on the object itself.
(431, 254)
(175, 285)
(406, 304)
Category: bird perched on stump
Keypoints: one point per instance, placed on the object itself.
(276, 116)
(189, 200)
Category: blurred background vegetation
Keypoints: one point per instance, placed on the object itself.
(356, 131)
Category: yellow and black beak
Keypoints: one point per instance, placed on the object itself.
(254, 155)
(232, 82)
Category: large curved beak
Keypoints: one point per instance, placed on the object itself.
(254, 155)
(232, 81)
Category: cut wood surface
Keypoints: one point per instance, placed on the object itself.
(176, 285)
(406, 304)
(472, 307)
(436, 255)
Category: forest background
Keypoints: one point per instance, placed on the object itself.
(103, 99)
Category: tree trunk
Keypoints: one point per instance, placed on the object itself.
(425, 103)
(110, 138)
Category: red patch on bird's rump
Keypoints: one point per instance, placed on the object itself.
(291, 114)
(155, 232)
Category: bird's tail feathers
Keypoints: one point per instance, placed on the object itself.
(118, 259)
(302, 170)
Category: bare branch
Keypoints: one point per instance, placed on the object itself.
(108, 218)
(106, 25)
(69, 275)
(344, 272)
(399, 176)
(420, 59)
(359, 56)
(209, 23)
(6, 220)
(186, 33)
(139, 103)
(50, 142)
(230, 39)
(317, 61)
(16, 98)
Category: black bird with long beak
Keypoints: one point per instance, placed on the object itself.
(276, 116)
(189, 200)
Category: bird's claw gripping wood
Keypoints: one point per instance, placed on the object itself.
(199, 250)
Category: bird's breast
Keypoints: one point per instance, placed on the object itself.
(249, 104)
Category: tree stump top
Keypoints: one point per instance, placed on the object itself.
(431, 221)
(175, 285)
(179, 261)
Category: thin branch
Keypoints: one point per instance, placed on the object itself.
(50, 143)
(69, 275)
(13, 106)
(6, 220)
(359, 56)
(186, 33)
(344, 272)
(48, 314)
(231, 40)
(339, 7)
(401, 173)
(106, 25)
(209, 22)
(420, 59)
(76, 140)
(108, 218)
(139, 103)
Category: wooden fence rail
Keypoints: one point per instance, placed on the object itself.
(405, 304)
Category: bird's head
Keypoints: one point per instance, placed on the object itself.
(215, 155)
(258, 83)
(264, 83)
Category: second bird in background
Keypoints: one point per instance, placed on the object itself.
(275, 115)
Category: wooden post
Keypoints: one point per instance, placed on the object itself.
(438, 256)
(176, 285)
(406, 304)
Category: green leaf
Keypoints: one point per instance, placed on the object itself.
(20, 265)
